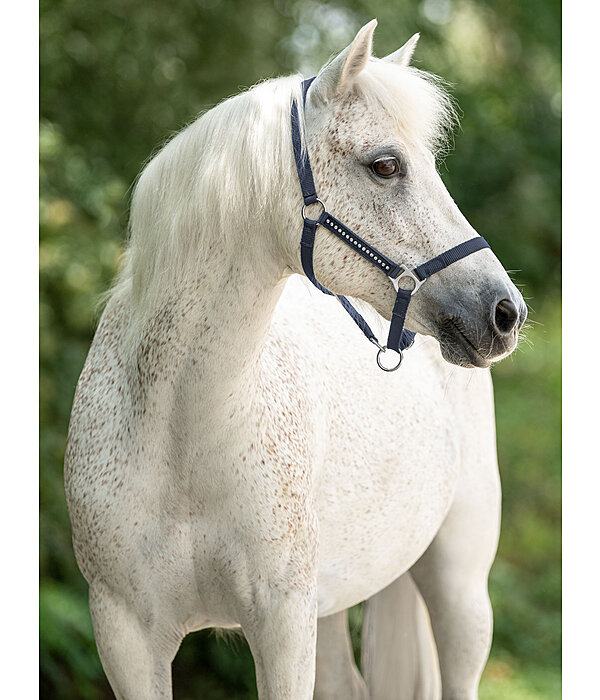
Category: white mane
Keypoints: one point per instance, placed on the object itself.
(211, 179)
(216, 179)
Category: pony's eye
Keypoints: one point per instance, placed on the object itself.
(386, 167)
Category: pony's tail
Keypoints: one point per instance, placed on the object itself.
(399, 658)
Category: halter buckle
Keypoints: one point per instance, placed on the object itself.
(376, 343)
(407, 273)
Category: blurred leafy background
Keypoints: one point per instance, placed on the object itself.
(118, 77)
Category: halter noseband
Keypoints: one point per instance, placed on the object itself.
(399, 338)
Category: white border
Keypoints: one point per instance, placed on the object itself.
(581, 297)
(19, 346)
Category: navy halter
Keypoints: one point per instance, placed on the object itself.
(399, 338)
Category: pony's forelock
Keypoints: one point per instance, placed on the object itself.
(417, 101)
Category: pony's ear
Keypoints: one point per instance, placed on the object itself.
(337, 76)
(402, 56)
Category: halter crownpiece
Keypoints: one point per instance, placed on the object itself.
(399, 338)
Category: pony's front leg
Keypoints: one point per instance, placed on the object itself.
(452, 577)
(281, 629)
(283, 639)
(275, 596)
(136, 656)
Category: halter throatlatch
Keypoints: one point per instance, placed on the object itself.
(399, 338)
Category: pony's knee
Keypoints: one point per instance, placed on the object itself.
(135, 654)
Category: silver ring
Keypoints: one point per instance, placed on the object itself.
(388, 369)
(310, 205)
(408, 274)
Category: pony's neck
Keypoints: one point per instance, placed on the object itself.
(206, 341)
(210, 239)
(232, 317)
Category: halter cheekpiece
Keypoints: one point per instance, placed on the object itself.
(399, 338)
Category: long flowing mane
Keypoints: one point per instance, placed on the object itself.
(215, 180)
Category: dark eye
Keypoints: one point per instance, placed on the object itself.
(386, 167)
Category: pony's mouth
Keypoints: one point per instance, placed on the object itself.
(458, 348)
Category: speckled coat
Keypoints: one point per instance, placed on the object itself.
(235, 458)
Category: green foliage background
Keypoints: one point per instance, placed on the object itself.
(118, 77)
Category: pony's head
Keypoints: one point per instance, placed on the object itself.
(372, 128)
(222, 198)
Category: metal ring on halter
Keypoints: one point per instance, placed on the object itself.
(388, 369)
(310, 205)
(407, 273)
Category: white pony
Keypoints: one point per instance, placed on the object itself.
(236, 458)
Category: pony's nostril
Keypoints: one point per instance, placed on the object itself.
(506, 316)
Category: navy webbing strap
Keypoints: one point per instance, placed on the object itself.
(399, 338)
(309, 191)
(450, 256)
(309, 229)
